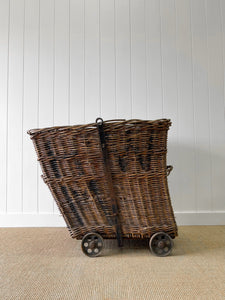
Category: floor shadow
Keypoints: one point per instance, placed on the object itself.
(191, 240)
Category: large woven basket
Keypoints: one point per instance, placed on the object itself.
(109, 177)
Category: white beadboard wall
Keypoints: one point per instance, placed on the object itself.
(70, 61)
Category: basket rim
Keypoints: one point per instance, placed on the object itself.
(156, 122)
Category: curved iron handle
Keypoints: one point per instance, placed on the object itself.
(99, 121)
(168, 170)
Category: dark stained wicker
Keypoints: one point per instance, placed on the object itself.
(90, 181)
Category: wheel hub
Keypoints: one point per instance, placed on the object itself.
(92, 244)
(161, 244)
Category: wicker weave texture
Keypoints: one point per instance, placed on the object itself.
(74, 168)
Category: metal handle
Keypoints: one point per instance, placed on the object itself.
(99, 121)
(168, 170)
(114, 203)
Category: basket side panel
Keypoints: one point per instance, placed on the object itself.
(73, 167)
(137, 156)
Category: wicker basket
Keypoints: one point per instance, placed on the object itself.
(109, 177)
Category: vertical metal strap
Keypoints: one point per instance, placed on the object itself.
(116, 221)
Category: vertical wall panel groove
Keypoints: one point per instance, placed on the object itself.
(209, 107)
(69, 63)
(38, 94)
(99, 57)
(22, 109)
(53, 55)
(130, 45)
(193, 107)
(46, 88)
(161, 64)
(146, 59)
(169, 83)
(216, 102)
(122, 53)
(154, 59)
(30, 103)
(4, 57)
(222, 16)
(186, 140)
(7, 111)
(145, 63)
(107, 62)
(114, 31)
(92, 68)
(15, 94)
(138, 62)
(201, 100)
(77, 74)
(61, 64)
(84, 61)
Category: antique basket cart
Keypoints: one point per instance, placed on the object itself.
(109, 180)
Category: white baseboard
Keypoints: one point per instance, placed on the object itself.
(200, 218)
(31, 220)
(56, 220)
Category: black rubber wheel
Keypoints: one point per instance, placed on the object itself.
(92, 244)
(161, 244)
